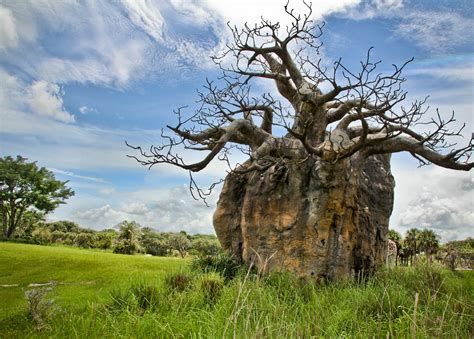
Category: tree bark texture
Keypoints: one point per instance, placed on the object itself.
(316, 219)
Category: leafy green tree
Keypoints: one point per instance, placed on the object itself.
(180, 243)
(65, 226)
(428, 242)
(411, 242)
(128, 239)
(23, 187)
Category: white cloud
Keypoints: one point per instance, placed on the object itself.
(8, 34)
(40, 97)
(165, 209)
(239, 12)
(117, 44)
(135, 208)
(85, 109)
(46, 99)
(433, 197)
(147, 16)
(362, 10)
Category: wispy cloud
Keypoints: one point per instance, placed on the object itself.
(74, 175)
(438, 32)
(453, 73)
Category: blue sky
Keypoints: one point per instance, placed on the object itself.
(79, 78)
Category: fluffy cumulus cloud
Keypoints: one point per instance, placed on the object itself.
(46, 99)
(435, 198)
(40, 97)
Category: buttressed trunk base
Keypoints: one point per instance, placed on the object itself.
(316, 219)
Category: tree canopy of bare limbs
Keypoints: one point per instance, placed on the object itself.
(362, 111)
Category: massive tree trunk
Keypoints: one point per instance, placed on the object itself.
(316, 219)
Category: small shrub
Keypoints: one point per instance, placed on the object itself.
(40, 309)
(224, 264)
(178, 281)
(211, 286)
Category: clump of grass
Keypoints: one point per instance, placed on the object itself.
(211, 286)
(138, 298)
(223, 264)
(147, 295)
(178, 281)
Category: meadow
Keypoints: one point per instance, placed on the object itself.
(100, 294)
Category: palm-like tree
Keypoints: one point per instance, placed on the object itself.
(128, 239)
(428, 242)
(412, 242)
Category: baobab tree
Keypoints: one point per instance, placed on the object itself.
(316, 193)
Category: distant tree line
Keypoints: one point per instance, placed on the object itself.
(128, 237)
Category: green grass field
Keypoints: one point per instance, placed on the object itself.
(104, 295)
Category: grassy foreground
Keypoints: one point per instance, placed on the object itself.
(112, 295)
